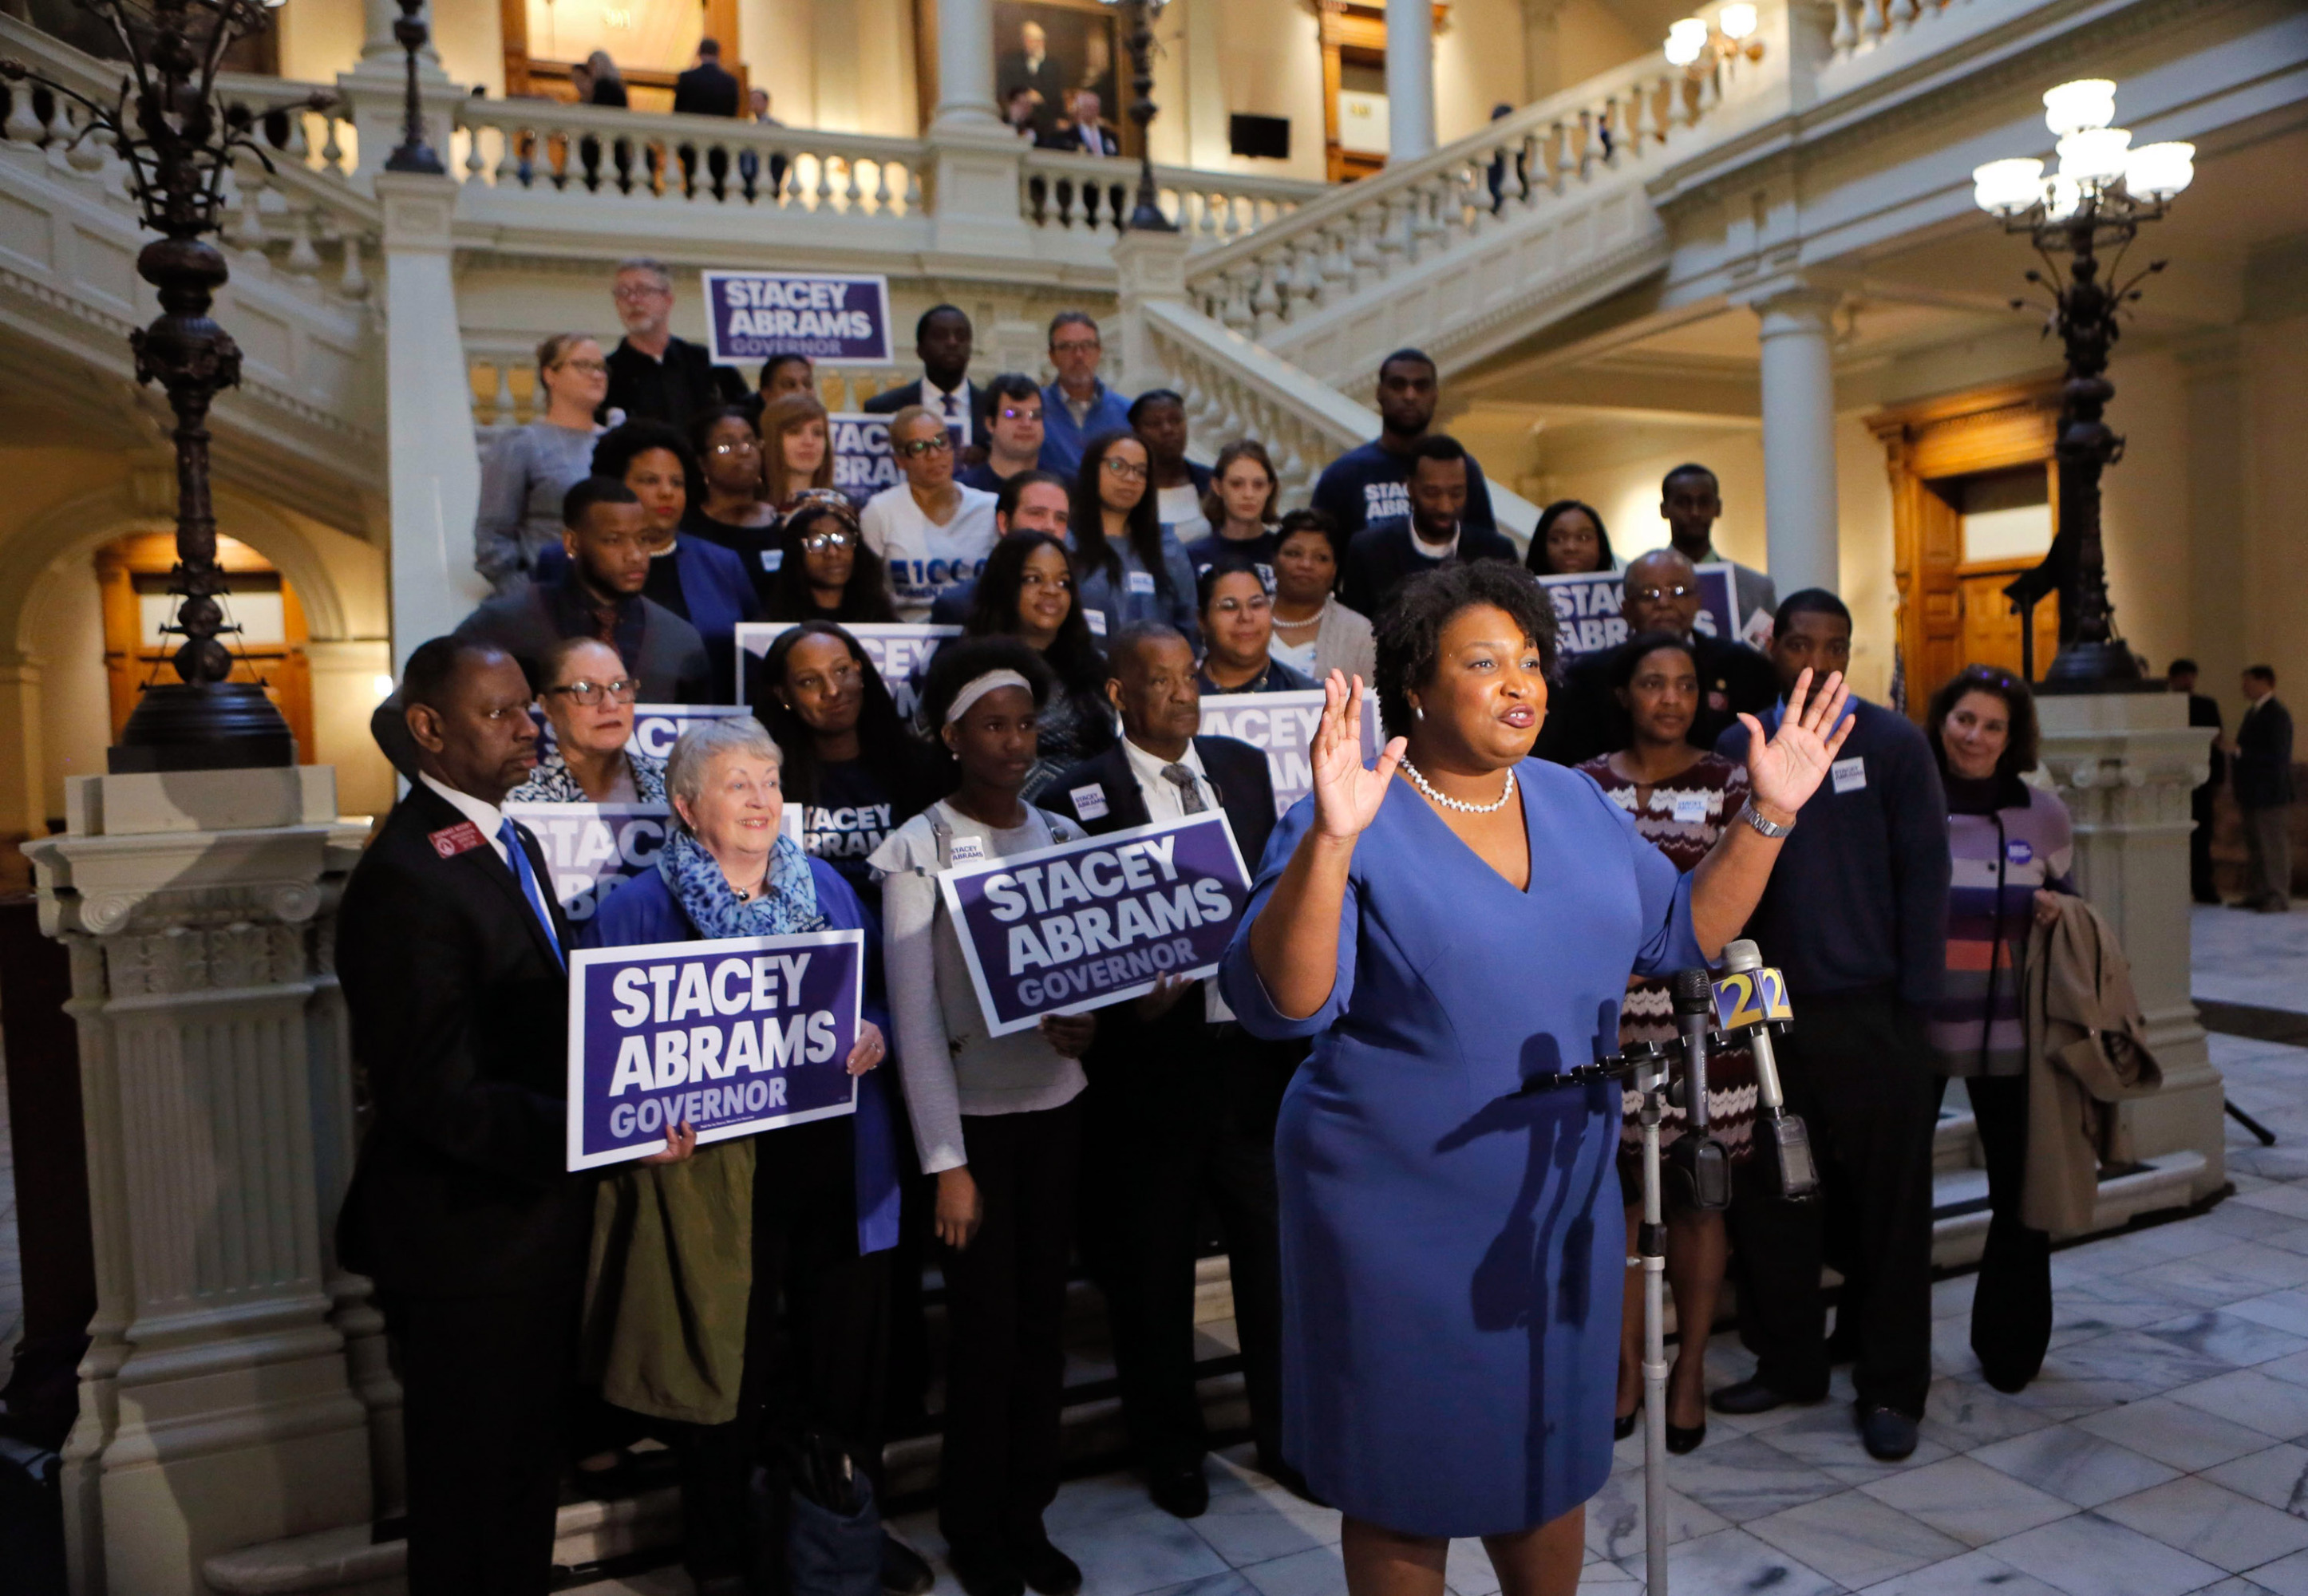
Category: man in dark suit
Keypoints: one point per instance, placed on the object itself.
(654, 376)
(1085, 130)
(942, 342)
(1031, 68)
(706, 88)
(451, 957)
(1182, 1101)
(2203, 710)
(2262, 752)
(1386, 554)
(1661, 595)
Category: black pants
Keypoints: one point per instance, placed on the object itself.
(1187, 1123)
(2011, 1306)
(2199, 845)
(1005, 1296)
(820, 1365)
(485, 1382)
(1857, 1070)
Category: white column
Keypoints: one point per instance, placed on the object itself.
(1798, 380)
(1409, 78)
(966, 64)
(218, 1402)
(435, 472)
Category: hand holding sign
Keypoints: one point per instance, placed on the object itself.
(680, 1144)
(1347, 795)
(869, 1048)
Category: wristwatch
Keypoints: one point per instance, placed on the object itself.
(1769, 828)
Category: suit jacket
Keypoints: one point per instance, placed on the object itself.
(1089, 141)
(673, 389)
(706, 89)
(1238, 770)
(2263, 757)
(2204, 710)
(890, 401)
(458, 1009)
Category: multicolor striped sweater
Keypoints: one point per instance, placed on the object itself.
(2012, 840)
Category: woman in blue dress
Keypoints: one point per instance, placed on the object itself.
(1451, 1233)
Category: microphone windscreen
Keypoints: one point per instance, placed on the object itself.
(1694, 990)
(1741, 955)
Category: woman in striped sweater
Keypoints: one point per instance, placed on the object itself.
(2011, 847)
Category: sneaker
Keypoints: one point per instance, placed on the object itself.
(1889, 1434)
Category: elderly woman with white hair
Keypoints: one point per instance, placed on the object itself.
(690, 1259)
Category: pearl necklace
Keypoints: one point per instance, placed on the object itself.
(1424, 786)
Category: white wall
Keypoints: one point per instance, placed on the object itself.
(1478, 63)
(75, 697)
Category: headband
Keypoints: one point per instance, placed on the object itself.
(979, 687)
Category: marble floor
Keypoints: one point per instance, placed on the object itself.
(2163, 1450)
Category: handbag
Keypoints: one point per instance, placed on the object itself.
(833, 1524)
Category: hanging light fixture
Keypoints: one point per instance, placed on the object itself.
(1691, 41)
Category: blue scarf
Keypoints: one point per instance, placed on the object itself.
(787, 904)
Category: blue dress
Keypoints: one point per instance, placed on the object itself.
(1451, 1251)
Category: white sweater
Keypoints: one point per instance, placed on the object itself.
(950, 1066)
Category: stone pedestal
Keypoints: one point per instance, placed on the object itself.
(1147, 267)
(236, 1373)
(2124, 763)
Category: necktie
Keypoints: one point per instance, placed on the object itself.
(517, 858)
(1190, 795)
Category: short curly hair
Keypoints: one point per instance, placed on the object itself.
(1410, 634)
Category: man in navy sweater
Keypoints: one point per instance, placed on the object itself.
(1855, 915)
(1371, 482)
(1437, 528)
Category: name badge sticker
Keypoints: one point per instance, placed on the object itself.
(1690, 808)
(1096, 619)
(1849, 775)
(1142, 581)
(968, 851)
(773, 559)
(451, 841)
(1089, 802)
(2018, 851)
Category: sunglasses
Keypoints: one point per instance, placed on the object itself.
(819, 542)
(915, 448)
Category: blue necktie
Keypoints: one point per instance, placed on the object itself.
(517, 858)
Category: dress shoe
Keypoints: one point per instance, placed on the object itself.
(1624, 1425)
(1752, 1396)
(1044, 1568)
(1679, 1440)
(1889, 1434)
(905, 1572)
(985, 1570)
(1179, 1489)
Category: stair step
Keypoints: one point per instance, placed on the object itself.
(344, 1562)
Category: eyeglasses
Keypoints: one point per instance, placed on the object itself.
(1013, 412)
(1230, 606)
(624, 690)
(741, 446)
(1654, 595)
(915, 448)
(1076, 346)
(1129, 471)
(819, 542)
(592, 369)
(628, 292)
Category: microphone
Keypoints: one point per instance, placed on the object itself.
(1702, 1168)
(1752, 997)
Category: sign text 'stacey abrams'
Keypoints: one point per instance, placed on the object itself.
(1282, 726)
(591, 848)
(1063, 929)
(733, 1036)
(1588, 617)
(751, 316)
(897, 648)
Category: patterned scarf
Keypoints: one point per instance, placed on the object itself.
(787, 904)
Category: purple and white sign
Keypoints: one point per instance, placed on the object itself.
(1588, 617)
(864, 463)
(734, 1036)
(591, 848)
(1283, 725)
(657, 727)
(899, 649)
(751, 316)
(1063, 929)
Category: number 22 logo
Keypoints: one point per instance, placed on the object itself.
(1745, 998)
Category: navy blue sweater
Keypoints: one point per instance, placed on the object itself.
(1858, 900)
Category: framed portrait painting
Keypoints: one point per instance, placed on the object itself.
(1051, 53)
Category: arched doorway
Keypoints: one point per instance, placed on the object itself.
(131, 573)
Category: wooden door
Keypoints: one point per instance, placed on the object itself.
(1992, 627)
(133, 571)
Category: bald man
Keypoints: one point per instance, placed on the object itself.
(1660, 594)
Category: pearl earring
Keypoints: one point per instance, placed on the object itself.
(1418, 711)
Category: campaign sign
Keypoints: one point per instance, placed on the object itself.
(734, 1036)
(1283, 724)
(863, 462)
(1586, 608)
(657, 727)
(591, 848)
(899, 649)
(1059, 930)
(751, 316)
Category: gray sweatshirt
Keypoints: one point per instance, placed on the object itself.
(524, 478)
(950, 1066)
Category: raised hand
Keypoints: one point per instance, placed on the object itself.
(1347, 796)
(1785, 770)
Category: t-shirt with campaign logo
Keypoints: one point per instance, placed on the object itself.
(853, 811)
(924, 559)
(1371, 483)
